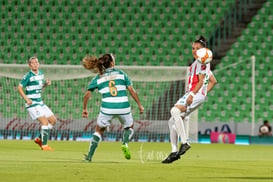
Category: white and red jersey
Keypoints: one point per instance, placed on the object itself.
(197, 68)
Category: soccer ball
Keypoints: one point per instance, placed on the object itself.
(204, 55)
(264, 129)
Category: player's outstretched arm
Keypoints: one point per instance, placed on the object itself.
(136, 98)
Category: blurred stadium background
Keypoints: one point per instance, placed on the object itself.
(141, 33)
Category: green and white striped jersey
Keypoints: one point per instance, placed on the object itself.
(112, 85)
(33, 84)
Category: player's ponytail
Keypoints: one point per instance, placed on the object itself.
(98, 65)
(90, 63)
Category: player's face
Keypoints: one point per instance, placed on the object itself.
(34, 65)
(112, 65)
(195, 47)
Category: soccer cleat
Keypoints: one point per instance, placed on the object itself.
(86, 159)
(47, 148)
(126, 151)
(183, 149)
(172, 157)
(38, 141)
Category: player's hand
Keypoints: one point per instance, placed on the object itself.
(48, 82)
(29, 101)
(189, 100)
(85, 113)
(141, 109)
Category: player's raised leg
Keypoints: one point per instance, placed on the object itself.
(44, 133)
(179, 124)
(127, 135)
(174, 140)
(51, 120)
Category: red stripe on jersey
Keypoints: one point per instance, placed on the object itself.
(195, 69)
(195, 79)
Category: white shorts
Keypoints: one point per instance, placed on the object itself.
(39, 111)
(196, 102)
(105, 120)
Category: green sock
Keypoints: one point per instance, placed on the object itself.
(127, 135)
(40, 135)
(44, 135)
(93, 145)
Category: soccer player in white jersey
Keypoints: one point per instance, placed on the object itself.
(201, 80)
(112, 84)
(34, 83)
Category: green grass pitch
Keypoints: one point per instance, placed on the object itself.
(24, 161)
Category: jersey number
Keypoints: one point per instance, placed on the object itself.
(113, 90)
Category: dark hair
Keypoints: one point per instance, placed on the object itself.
(265, 121)
(202, 40)
(98, 64)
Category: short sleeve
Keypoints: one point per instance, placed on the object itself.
(24, 81)
(127, 80)
(93, 84)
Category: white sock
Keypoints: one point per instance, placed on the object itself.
(173, 135)
(179, 125)
(186, 124)
(132, 133)
(96, 139)
(49, 126)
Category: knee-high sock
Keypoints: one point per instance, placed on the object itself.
(186, 125)
(173, 135)
(49, 127)
(93, 144)
(44, 134)
(127, 135)
(179, 125)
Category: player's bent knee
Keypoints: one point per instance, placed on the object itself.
(175, 111)
(171, 121)
(52, 120)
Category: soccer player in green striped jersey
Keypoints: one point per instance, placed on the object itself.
(34, 82)
(112, 84)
